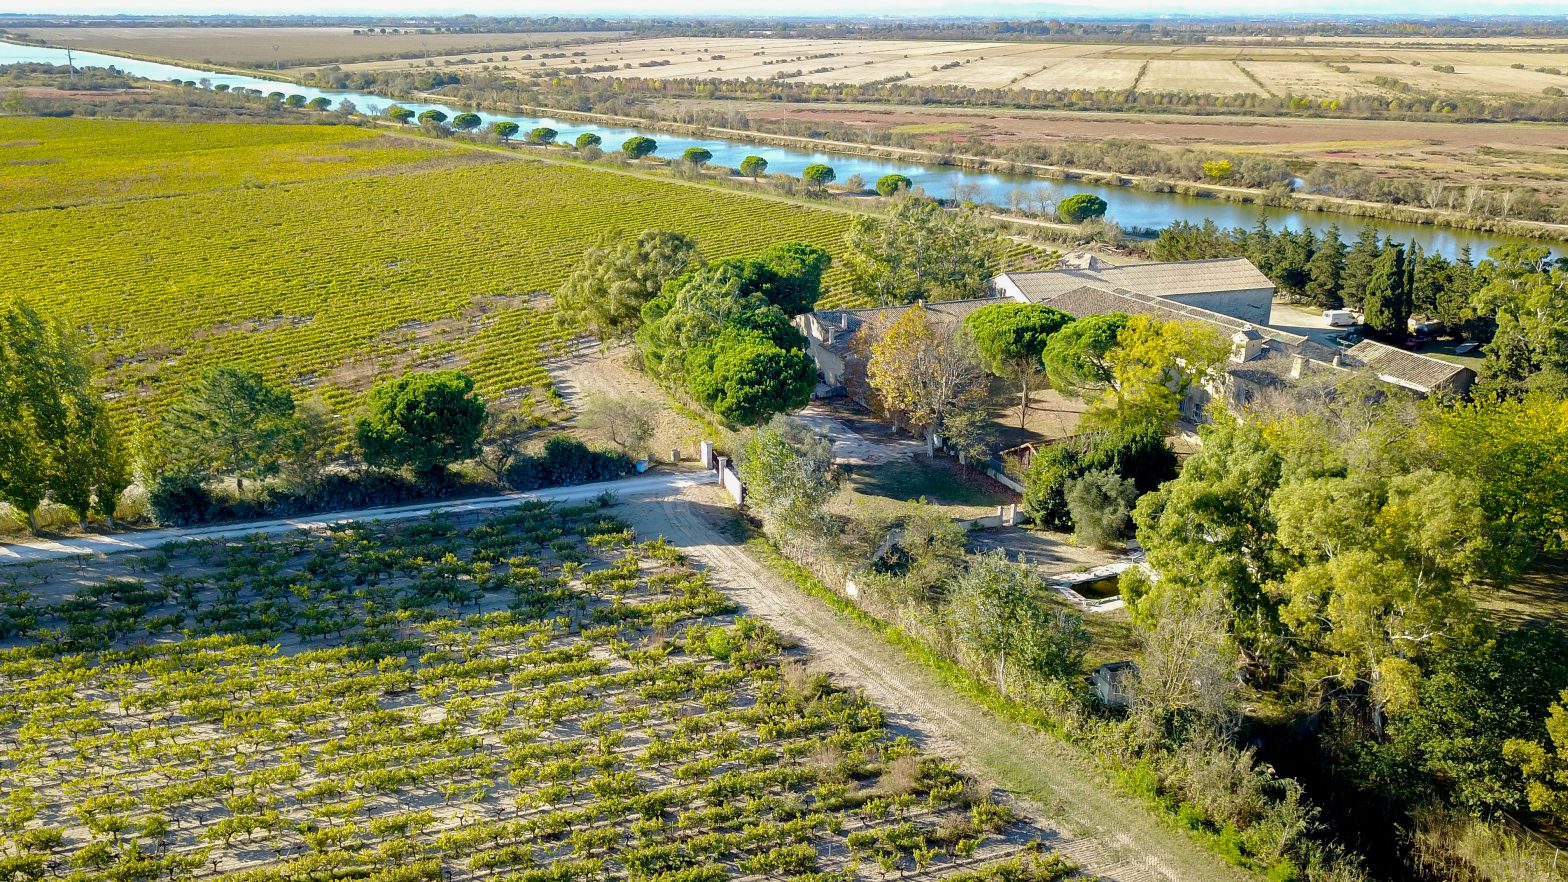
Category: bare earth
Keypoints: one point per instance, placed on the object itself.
(1109, 835)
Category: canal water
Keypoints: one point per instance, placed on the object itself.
(1128, 207)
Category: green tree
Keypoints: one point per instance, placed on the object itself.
(921, 250)
(607, 291)
(1472, 700)
(627, 421)
(1079, 208)
(1011, 338)
(1387, 565)
(1099, 502)
(422, 421)
(319, 103)
(1544, 763)
(893, 184)
(400, 114)
(1212, 529)
(230, 421)
(793, 272)
(789, 476)
(1076, 357)
(1326, 271)
(1387, 301)
(639, 146)
(997, 612)
(924, 369)
(466, 122)
(753, 167)
(1512, 448)
(541, 136)
(295, 101)
(32, 413)
(1152, 366)
(586, 140)
(817, 176)
(432, 117)
(504, 130)
(745, 378)
(697, 156)
(1527, 295)
(1358, 268)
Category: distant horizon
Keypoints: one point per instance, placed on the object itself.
(1215, 10)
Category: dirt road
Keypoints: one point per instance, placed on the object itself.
(1108, 835)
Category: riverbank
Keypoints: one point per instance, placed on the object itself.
(1554, 234)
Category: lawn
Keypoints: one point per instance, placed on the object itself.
(326, 274)
(942, 482)
(537, 695)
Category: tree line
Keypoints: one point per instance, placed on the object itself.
(1515, 301)
(235, 444)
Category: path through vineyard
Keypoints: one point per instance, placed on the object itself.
(1108, 835)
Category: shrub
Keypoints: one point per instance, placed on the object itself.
(566, 461)
(179, 499)
(1100, 502)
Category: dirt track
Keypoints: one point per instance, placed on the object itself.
(1108, 835)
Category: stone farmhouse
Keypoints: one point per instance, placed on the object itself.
(1229, 294)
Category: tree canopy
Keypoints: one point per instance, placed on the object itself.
(607, 290)
(1079, 208)
(230, 422)
(423, 422)
(922, 250)
(923, 368)
(639, 146)
(1010, 339)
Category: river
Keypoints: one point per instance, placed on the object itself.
(1128, 207)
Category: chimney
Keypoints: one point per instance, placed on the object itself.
(1298, 364)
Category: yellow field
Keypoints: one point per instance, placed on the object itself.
(1310, 70)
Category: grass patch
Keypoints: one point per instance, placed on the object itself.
(940, 481)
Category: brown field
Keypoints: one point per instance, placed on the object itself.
(1217, 68)
(1530, 155)
(254, 46)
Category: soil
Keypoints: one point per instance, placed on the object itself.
(1109, 835)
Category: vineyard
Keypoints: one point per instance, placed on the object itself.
(538, 697)
(53, 163)
(327, 283)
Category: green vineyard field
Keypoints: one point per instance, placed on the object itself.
(538, 697)
(325, 283)
(52, 163)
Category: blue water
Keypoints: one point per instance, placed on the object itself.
(1128, 207)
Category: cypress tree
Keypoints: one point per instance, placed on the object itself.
(1326, 270)
(1358, 268)
(1387, 302)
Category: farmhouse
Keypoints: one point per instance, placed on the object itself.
(1230, 295)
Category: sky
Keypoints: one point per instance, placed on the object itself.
(998, 8)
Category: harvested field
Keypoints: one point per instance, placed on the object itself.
(1215, 68)
(255, 46)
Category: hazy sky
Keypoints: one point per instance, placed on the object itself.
(796, 7)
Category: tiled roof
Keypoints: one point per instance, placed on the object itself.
(846, 322)
(1158, 279)
(1091, 300)
(1420, 372)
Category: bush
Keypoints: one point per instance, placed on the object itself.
(1138, 454)
(1100, 502)
(1079, 208)
(564, 462)
(179, 500)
